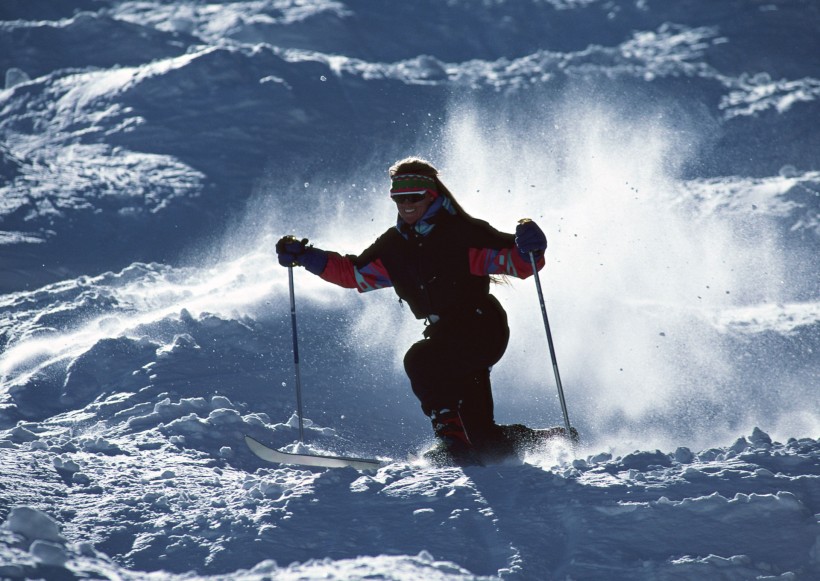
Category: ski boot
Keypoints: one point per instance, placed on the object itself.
(525, 439)
(454, 447)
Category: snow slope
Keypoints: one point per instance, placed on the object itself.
(151, 153)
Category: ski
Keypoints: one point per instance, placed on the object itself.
(273, 455)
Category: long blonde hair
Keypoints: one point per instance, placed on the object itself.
(417, 165)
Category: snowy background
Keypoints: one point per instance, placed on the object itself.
(151, 153)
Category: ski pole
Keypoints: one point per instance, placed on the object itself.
(549, 342)
(296, 355)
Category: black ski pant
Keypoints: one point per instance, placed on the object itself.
(450, 367)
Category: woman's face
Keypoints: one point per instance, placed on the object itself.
(410, 211)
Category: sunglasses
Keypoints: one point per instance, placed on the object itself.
(409, 198)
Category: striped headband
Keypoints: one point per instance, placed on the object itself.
(413, 184)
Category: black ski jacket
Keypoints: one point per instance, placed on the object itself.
(443, 272)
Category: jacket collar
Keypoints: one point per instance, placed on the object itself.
(425, 225)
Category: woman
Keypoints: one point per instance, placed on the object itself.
(439, 260)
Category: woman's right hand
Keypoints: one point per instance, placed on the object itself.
(289, 249)
(294, 252)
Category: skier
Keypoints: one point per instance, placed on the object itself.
(439, 260)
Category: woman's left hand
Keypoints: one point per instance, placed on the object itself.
(530, 238)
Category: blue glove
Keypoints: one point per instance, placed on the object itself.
(289, 249)
(294, 252)
(530, 238)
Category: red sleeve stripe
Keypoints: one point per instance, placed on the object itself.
(507, 261)
(340, 270)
